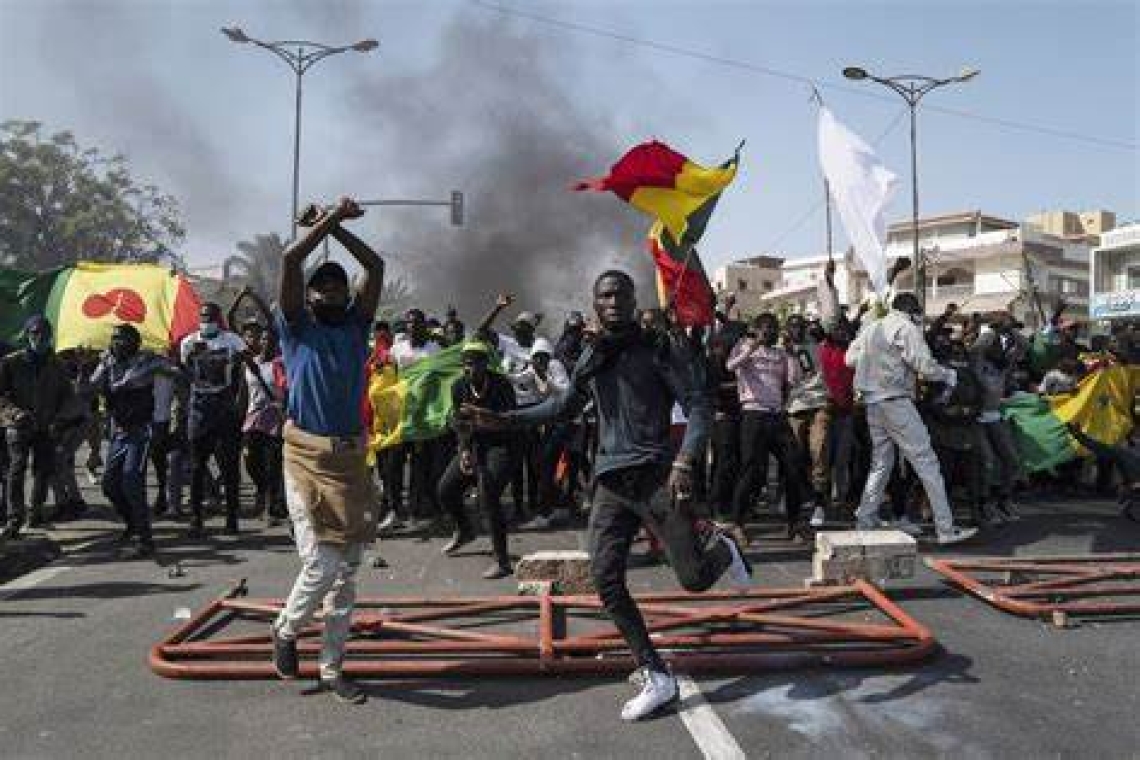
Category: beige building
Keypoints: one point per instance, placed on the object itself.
(1073, 224)
(749, 280)
(980, 262)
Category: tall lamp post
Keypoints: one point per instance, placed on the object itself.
(300, 55)
(912, 87)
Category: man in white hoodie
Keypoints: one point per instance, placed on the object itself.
(888, 355)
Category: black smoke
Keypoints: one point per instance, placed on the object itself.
(500, 114)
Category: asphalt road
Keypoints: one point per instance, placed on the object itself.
(76, 684)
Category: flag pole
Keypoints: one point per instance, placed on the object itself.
(818, 100)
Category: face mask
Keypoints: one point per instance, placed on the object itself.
(209, 329)
(329, 314)
(916, 318)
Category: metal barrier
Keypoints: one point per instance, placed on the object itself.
(537, 635)
(1049, 587)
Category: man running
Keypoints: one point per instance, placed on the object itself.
(634, 380)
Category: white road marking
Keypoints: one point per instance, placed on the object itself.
(31, 580)
(704, 725)
(36, 577)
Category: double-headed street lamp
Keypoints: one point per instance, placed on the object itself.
(301, 55)
(912, 87)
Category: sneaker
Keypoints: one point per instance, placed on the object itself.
(739, 572)
(93, 478)
(907, 526)
(285, 660)
(497, 571)
(956, 536)
(818, 517)
(459, 539)
(344, 689)
(657, 690)
(539, 522)
(391, 522)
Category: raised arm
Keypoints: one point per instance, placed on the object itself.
(503, 301)
(291, 292)
(368, 297)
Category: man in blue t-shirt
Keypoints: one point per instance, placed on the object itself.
(328, 488)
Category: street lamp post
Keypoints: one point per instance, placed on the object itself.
(912, 87)
(300, 55)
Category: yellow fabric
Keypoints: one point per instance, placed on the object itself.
(1102, 404)
(153, 286)
(386, 393)
(694, 185)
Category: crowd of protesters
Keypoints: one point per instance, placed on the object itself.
(639, 424)
(785, 392)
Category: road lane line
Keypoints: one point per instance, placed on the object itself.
(46, 573)
(31, 580)
(704, 725)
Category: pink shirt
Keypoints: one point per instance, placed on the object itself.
(763, 374)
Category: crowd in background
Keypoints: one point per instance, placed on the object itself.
(783, 392)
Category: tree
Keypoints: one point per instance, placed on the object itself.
(257, 264)
(61, 203)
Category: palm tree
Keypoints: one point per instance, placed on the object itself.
(257, 264)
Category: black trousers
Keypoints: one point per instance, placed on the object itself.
(493, 468)
(420, 458)
(526, 469)
(725, 461)
(25, 447)
(624, 500)
(224, 445)
(264, 465)
(764, 434)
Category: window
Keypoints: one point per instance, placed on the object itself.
(741, 285)
(767, 284)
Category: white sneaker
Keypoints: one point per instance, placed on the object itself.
(739, 572)
(907, 526)
(956, 536)
(818, 517)
(657, 690)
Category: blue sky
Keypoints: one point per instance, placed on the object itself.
(211, 122)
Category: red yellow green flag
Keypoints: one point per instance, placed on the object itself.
(84, 302)
(680, 195)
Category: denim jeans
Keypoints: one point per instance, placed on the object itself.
(124, 479)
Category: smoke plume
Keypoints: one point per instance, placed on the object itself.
(496, 115)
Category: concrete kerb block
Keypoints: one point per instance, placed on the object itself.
(555, 572)
(871, 555)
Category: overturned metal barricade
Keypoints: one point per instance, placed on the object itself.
(535, 635)
(1050, 587)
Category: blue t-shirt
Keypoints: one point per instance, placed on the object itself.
(325, 368)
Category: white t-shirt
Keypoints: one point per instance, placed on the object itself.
(405, 354)
(212, 370)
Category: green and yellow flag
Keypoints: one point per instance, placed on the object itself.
(416, 404)
(1101, 406)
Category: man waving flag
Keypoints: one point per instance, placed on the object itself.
(680, 195)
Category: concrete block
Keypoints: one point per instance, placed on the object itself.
(877, 556)
(566, 572)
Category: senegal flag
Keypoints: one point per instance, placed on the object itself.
(416, 405)
(1101, 406)
(680, 195)
(84, 302)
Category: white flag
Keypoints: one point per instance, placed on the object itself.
(861, 188)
